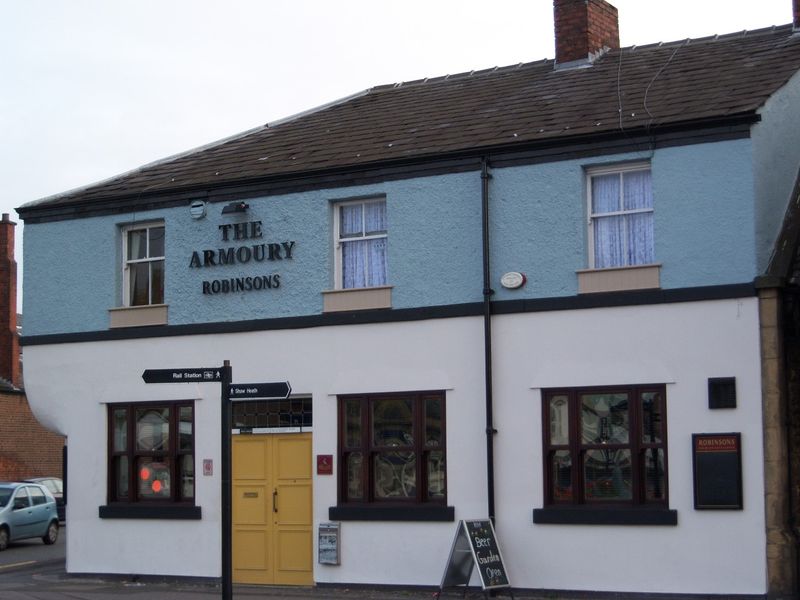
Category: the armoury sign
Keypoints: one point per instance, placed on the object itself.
(242, 254)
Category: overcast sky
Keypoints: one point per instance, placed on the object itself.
(93, 88)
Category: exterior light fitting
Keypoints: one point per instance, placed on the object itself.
(235, 207)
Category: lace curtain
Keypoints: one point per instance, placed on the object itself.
(622, 219)
(363, 260)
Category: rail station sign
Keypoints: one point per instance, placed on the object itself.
(193, 375)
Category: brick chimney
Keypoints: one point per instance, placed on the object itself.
(585, 27)
(9, 340)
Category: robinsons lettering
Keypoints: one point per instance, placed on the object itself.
(233, 255)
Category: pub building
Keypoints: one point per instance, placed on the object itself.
(559, 296)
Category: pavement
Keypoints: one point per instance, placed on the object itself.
(47, 580)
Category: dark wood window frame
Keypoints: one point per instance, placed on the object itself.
(133, 506)
(580, 509)
(420, 507)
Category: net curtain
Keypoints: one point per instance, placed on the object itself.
(626, 237)
(363, 260)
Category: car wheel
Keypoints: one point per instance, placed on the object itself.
(52, 534)
(3, 538)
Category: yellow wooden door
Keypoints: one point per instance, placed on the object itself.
(272, 527)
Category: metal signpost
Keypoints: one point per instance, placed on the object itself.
(237, 391)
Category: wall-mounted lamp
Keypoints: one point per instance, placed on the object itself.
(197, 209)
(235, 207)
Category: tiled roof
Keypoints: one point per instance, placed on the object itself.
(629, 90)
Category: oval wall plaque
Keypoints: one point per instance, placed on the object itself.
(512, 280)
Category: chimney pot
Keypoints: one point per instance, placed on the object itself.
(584, 28)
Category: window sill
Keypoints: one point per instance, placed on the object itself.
(137, 316)
(436, 512)
(616, 279)
(604, 516)
(144, 511)
(357, 299)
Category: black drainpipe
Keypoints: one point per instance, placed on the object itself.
(487, 337)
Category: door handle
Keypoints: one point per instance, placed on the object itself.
(275, 500)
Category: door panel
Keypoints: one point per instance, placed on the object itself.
(294, 506)
(250, 552)
(272, 509)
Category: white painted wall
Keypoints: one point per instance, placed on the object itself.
(678, 344)
(681, 345)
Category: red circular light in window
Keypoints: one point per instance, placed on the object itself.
(156, 486)
(144, 474)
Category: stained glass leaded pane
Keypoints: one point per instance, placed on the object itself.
(392, 423)
(352, 423)
(121, 477)
(654, 474)
(436, 474)
(607, 475)
(652, 418)
(433, 422)
(561, 475)
(559, 421)
(152, 429)
(395, 475)
(120, 430)
(355, 486)
(604, 419)
(185, 428)
(187, 476)
(154, 477)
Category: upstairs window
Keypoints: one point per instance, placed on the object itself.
(620, 217)
(360, 235)
(143, 268)
(605, 446)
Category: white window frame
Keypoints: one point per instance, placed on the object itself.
(126, 300)
(338, 241)
(611, 170)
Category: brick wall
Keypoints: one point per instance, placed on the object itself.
(26, 448)
(583, 27)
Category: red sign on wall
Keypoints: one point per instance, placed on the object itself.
(324, 464)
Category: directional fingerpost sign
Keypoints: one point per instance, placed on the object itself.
(220, 375)
(208, 374)
(276, 390)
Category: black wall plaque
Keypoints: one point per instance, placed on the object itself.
(717, 460)
(721, 392)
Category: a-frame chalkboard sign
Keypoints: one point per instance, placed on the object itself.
(475, 544)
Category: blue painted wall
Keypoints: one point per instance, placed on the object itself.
(704, 231)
